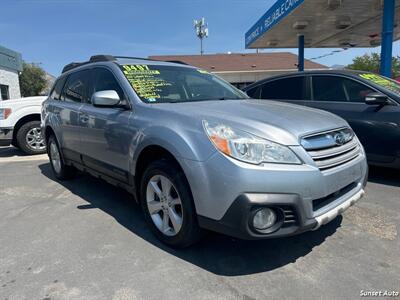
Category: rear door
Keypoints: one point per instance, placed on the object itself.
(72, 96)
(106, 135)
(288, 89)
(377, 127)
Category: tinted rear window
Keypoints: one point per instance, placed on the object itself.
(254, 92)
(284, 89)
(328, 88)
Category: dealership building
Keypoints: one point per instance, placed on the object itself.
(241, 69)
(10, 66)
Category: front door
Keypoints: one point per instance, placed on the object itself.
(378, 128)
(105, 132)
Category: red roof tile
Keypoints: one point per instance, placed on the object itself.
(242, 61)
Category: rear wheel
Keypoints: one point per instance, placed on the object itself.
(30, 139)
(60, 170)
(168, 205)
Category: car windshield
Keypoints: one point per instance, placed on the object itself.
(382, 81)
(161, 84)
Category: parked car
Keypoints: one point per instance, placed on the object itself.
(369, 102)
(197, 153)
(20, 124)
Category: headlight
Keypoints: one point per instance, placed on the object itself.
(4, 113)
(247, 147)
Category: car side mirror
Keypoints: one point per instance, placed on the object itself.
(376, 99)
(107, 98)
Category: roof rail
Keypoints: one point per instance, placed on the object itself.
(101, 57)
(72, 66)
(177, 62)
(133, 57)
(94, 58)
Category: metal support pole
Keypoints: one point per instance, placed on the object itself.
(387, 38)
(300, 65)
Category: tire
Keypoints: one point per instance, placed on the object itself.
(60, 169)
(15, 144)
(166, 205)
(30, 139)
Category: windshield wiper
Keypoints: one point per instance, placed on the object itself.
(231, 98)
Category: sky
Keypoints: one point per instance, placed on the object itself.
(54, 33)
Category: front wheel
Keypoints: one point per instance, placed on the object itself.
(30, 139)
(168, 205)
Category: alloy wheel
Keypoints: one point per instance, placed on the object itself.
(34, 139)
(55, 157)
(164, 205)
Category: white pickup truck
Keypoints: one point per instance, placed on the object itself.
(20, 124)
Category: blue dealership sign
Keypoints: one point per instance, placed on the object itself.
(273, 16)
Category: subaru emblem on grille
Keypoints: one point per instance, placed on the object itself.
(340, 138)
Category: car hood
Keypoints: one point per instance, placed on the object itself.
(27, 101)
(277, 121)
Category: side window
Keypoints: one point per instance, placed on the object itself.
(328, 88)
(4, 93)
(75, 89)
(254, 92)
(56, 91)
(356, 91)
(104, 80)
(284, 89)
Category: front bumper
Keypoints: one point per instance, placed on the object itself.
(226, 192)
(332, 214)
(237, 220)
(6, 136)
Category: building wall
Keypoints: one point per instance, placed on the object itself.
(10, 78)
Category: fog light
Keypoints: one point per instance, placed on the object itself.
(264, 218)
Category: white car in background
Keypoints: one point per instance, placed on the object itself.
(20, 124)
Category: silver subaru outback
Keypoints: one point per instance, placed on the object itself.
(199, 154)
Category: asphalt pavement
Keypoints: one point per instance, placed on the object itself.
(85, 239)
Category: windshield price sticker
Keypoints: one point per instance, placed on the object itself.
(145, 81)
(139, 69)
(382, 81)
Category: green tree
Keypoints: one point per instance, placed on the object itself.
(32, 80)
(371, 63)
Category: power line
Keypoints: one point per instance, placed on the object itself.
(328, 54)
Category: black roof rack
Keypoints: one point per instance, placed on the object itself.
(103, 57)
(72, 66)
(94, 58)
(177, 62)
(133, 57)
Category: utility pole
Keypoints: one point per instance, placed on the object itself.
(201, 28)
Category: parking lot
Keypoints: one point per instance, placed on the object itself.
(85, 239)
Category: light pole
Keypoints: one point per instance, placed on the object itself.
(201, 28)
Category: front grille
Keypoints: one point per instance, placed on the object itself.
(333, 148)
